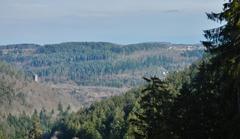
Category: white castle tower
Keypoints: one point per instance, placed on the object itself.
(35, 77)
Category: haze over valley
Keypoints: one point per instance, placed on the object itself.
(80, 73)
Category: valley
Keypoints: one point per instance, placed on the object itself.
(104, 90)
(80, 73)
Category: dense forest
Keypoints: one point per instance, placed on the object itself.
(100, 63)
(110, 118)
(78, 76)
(199, 102)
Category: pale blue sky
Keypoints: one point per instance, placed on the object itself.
(117, 21)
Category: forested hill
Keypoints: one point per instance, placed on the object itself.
(100, 70)
(199, 102)
(100, 63)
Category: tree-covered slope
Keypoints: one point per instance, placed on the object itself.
(200, 102)
(100, 63)
(19, 93)
(107, 119)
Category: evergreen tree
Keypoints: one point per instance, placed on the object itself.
(36, 131)
(209, 106)
(224, 45)
(155, 104)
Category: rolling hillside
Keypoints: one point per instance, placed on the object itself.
(100, 63)
(79, 74)
(76, 75)
(20, 93)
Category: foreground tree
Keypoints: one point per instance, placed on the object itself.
(155, 103)
(224, 45)
(209, 106)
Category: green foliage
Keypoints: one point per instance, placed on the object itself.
(208, 106)
(35, 126)
(107, 119)
(155, 104)
(89, 63)
(36, 131)
(202, 102)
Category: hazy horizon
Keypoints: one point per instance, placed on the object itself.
(121, 22)
(42, 44)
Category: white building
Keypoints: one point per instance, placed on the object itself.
(35, 77)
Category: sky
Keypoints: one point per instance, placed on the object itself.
(117, 21)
